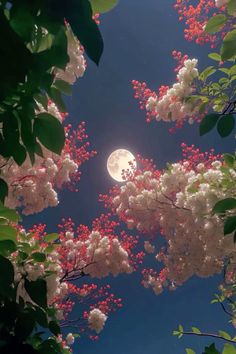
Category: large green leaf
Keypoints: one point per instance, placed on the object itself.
(211, 349)
(208, 123)
(231, 7)
(7, 247)
(24, 326)
(101, 6)
(229, 349)
(223, 205)
(225, 125)
(215, 23)
(228, 48)
(63, 86)
(38, 257)
(229, 225)
(7, 274)
(8, 233)
(85, 28)
(50, 132)
(37, 290)
(11, 72)
(54, 328)
(49, 346)
(3, 190)
(9, 214)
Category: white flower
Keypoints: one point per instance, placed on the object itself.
(70, 339)
(96, 320)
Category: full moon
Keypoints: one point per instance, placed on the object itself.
(118, 161)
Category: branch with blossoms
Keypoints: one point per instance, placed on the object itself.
(42, 275)
(196, 16)
(34, 188)
(186, 191)
(195, 93)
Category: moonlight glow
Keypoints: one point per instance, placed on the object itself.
(118, 161)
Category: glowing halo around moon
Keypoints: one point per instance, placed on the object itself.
(119, 161)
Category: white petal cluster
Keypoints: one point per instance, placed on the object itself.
(33, 271)
(172, 106)
(220, 3)
(33, 188)
(179, 203)
(70, 339)
(96, 320)
(149, 248)
(77, 65)
(98, 255)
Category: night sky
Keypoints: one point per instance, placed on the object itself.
(139, 36)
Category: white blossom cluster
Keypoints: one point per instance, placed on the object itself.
(179, 203)
(76, 66)
(96, 320)
(33, 271)
(220, 3)
(33, 188)
(172, 106)
(149, 248)
(98, 255)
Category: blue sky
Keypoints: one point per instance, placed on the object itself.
(139, 36)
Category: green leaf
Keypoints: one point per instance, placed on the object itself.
(51, 237)
(223, 205)
(41, 317)
(229, 349)
(225, 71)
(37, 290)
(229, 159)
(229, 225)
(208, 123)
(211, 349)
(38, 256)
(50, 132)
(56, 96)
(49, 346)
(232, 70)
(210, 70)
(54, 328)
(180, 328)
(175, 333)
(190, 351)
(102, 6)
(228, 48)
(85, 28)
(7, 274)
(56, 56)
(25, 324)
(196, 330)
(231, 7)
(224, 334)
(225, 125)
(3, 190)
(63, 86)
(215, 23)
(9, 214)
(214, 56)
(8, 233)
(7, 247)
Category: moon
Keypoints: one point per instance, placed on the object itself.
(119, 161)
